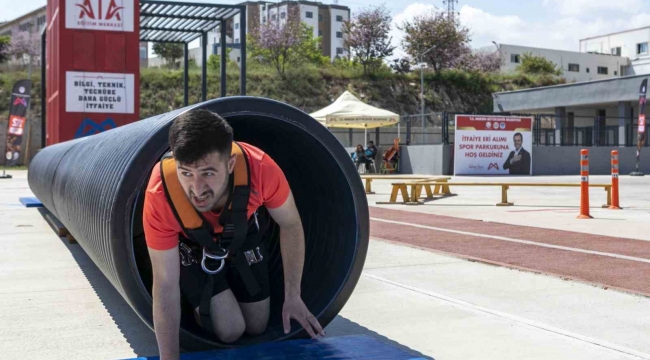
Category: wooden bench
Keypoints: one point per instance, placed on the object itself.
(416, 189)
(369, 178)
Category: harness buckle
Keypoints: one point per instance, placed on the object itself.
(187, 258)
(209, 255)
(253, 256)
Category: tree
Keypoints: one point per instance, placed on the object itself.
(481, 61)
(24, 43)
(168, 51)
(539, 65)
(446, 38)
(285, 42)
(214, 60)
(5, 42)
(367, 37)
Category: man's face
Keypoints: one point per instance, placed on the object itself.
(205, 182)
(518, 142)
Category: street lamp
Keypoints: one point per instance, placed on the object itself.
(422, 89)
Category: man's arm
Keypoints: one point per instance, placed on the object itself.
(526, 162)
(166, 301)
(506, 165)
(292, 247)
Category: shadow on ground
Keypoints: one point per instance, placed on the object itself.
(141, 339)
(341, 326)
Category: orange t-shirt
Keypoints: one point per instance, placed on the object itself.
(269, 188)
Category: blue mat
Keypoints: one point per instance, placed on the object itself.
(30, 202)
(335, 348)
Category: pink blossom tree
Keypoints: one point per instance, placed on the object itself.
(367, 37)
(481, 61)
(442, 38)
(23, 43)
(278, 41)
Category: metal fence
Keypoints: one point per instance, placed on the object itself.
(439, 128)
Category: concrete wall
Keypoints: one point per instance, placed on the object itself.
(556, 160)
(421, 159)
(588, 63)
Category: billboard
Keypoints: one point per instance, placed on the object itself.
(106, 15)
(18, 106)
(91, 92)
(493, 145)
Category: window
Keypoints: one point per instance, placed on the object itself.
(320, 17)
(339, 18)
(309, 15)
(339, 34)
(264, 20)
(615, 73)
(236, 41)
(642, 48)
(514, 58)
(320, 32)
(283, 15)
(40, 20)
(273, 17)
(339, 51)
(616, 51)
(587, 69)
(143, 53)
(574, 67)
(602, 70)
(236, 26)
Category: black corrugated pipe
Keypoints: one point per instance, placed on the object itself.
(95, 185)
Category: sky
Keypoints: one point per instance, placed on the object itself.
(553, 24)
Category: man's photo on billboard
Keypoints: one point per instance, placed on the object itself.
(518, 162)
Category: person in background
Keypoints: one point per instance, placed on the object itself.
(359, 156)
(371, 153)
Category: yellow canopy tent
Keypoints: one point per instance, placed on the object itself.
(350, 112)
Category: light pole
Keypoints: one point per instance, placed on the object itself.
(422, 90)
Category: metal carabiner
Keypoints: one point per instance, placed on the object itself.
(207, 254)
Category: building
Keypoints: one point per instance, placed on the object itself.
(576, 66)
(35, 21)
(326, 19)
(632, 44)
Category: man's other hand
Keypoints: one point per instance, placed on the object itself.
(295, 308)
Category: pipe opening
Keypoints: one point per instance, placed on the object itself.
(335, 237)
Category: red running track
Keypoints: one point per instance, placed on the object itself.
(628, 275)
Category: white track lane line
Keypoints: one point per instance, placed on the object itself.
(480, 309)
(502, 238)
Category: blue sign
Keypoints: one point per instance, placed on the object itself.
(89, 127)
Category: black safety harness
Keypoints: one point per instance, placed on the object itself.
(238, 244)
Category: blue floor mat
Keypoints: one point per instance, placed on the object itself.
(334, 348)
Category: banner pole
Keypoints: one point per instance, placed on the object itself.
(641, 127)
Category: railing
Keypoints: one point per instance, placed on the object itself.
(439, 128)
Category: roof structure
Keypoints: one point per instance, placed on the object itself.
(181, 22)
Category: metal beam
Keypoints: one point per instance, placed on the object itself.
(169, 29)
(222, 45)
(154, 15)
(204, 67)
(187, 4)
(186, 67)
(242, 40)
(43, 85)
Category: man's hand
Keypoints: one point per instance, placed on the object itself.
(515, 159)
(294, 308)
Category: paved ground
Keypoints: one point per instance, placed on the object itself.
(434, 304)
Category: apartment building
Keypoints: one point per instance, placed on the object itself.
(632, 44)
(33, 22)
(576, 66)
(326, 20)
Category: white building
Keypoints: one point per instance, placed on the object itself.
(576, 66)
(326, 20)
(632, 44)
